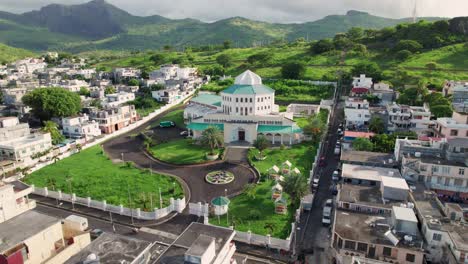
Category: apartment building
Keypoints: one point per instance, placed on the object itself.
(80, 127)
(399, 117)
(14, 95)
(114, 119)
(121, 74)
(303, 109)
(357, 114)
(116, 99)
(362, 81)
(385, 94)
(452, 127)
(17, 143)
(31, 237)
(420, 121)
(167, 95)
(374, 222)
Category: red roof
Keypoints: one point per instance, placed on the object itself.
(359, 90)
(357, 134)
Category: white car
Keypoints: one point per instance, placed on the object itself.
(315, 183)
(326, 216)
(335, 176)
(184, 133)
(329, 203)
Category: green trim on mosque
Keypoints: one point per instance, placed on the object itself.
(248, 89)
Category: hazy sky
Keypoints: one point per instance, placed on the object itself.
(266, 10)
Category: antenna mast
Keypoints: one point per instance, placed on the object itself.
(415, 13)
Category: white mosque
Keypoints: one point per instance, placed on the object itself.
(243, 111)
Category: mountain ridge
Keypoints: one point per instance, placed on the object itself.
(100, 25)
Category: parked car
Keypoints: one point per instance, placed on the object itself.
(184, 133)
(315, 183)
(167, 124)
(334, 189)
(337, 150)
(95, 233)
(336, 176)
(326, 216)
(340, 132)
(322, 162)
(329, 203)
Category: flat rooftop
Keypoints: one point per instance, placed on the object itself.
(22, 227)
(176, 252)
(367, 157)
(365, 195)
(370, 229)
(367, 173)
(112, 248)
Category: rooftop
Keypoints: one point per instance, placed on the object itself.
(20, 228)
(207, 99)
(248, 89)
(356, 134)
(367, 157)
(404, 213)
(365, 195)
(248, 78)
(200, 245)
(367, 173)
(112, 248)
(370, 229)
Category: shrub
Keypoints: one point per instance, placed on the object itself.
(254, 214)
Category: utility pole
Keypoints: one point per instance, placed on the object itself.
(129, 202)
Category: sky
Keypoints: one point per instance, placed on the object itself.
(281, 11)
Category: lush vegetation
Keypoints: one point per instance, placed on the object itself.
(91, 173)
(9, 54)
(176, 116)
(52, 102)
(182, 151)
(254, 210)
(381, 142)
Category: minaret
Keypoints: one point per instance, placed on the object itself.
(415, 13)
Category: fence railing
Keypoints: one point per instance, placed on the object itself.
(175, 205)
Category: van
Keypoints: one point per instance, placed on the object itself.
(167, 124)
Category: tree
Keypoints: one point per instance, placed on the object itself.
(360, 48)
(262, 57)
(431, 66)
(109, 90)
(51, 127)
(403, 55)
(296, 186)
(314, 128)
(383, 143)
(362, 144)
(96, 103)
(250, 190)
(52, 102)
(342, 42)
(441, 111)
(261, 143)
(322, 46)
(224, 60)
(376, 125)
(157, 58)
(167, 47)
(355, 33)
(227, 44)
(293, 70)
(406, 44)
(85, 91)
(212, 137)
(134, 82)
(370, 69)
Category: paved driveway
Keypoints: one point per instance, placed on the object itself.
(192, 175)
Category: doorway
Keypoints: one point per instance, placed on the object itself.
(241, 135)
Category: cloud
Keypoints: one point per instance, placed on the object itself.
(265, 10)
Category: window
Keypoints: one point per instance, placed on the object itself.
(242, 100)
(436, 236)
(362, 247)
(350, 245)
(461, 171)
(454, 132)
(410, 257)
(387, 251)
(435, 168)
(446, 170)
(237, 110)
(237, 100)
(251, 100)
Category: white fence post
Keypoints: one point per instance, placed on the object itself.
(60, 195)
(138, 213)
(104, 205)
(249, 236)
(88, 201)
(121, 209)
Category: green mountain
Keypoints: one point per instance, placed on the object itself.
(9, 54)
(100, 25)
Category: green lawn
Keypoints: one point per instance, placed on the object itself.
(93, 174)
(146, 111)
(300, 155)
(176, 116)
(243, 208)
(181, 151)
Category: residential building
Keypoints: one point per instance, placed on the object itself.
(362, 81)
(18, 143)
(247, 110)
(350, 136)
(399, 117)
(72, 85)
(204, 244)
(417, 148)
(30, 237)
(116, 99)
(444, 228)
(449, 86)
(452, 127)
(13, 96)
(357, 114)
(420, 121)
(113, 119)
(121, 74)
(167, 95)
(367, 158)
(385, 94)
(80, 127)
(374, 223)
(299, 110)
(29, 65)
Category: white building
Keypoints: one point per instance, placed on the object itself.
(399, 117)
(303, 109)
(114, 100)
(31, 237)
(362, 82)
(125, 73)
(247, 110)
(452, 127)
(167, 95)
(29, 65)
(80, 127)
(357, 112)
(73, 85)
(18, 143)
(420, 121)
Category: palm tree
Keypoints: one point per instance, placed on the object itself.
(212, 137)
(250, 190)
(261, 143)
(296, 186)
(314, 128)
(51, 127)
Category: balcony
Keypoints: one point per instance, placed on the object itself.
(447, 188)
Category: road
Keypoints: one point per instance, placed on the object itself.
(313, 239)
